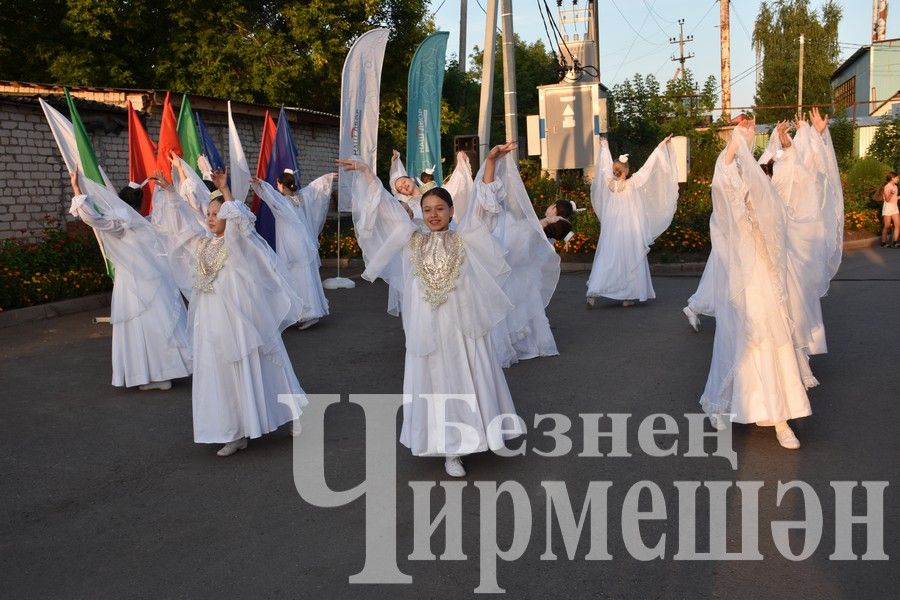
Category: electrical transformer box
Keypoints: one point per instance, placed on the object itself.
(572, 117)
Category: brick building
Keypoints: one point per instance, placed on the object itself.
(33, 179)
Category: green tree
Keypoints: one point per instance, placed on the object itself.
(886, 143)
(642, 113)
(776, 32)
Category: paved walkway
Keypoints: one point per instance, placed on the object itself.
(103, 494)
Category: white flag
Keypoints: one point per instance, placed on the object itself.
(240, 171)
(64, 134)
(360, 97)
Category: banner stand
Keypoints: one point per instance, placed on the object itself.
(337, 283)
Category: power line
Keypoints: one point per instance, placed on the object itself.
(650, 11)
(559, 33)
(437, 10)
(633, 40)
(636, 32)
(741, 21)
(557, 55)
(703, 18)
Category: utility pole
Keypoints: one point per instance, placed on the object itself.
(462, 36)
(509, 72)
(800, 79)
(487, 79)
(681, 41)
(879, 20)
(725, 41)
(595, 34)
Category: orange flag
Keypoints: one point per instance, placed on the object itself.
(265, 151)
(168, 140)
(141, 157)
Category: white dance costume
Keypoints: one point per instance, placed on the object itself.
(241, 303)
(451, 300)
(632, 214)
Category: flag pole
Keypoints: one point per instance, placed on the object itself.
(337, 283)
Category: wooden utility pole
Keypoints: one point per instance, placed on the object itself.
(800, 79)
(725, 41)
(462, 36)
(487, 79)
(879, 20)
(681, 41)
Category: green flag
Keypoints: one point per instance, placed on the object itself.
(89, 163)
(188, 135)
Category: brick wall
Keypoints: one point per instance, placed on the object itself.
(34, 184)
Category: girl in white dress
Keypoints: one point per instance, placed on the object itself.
(241, 302)
(756, 374)
(534, 270)
(297, 244)
(150, 344)
(450, 281)
(633, 212)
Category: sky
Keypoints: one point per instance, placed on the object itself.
(634, 34)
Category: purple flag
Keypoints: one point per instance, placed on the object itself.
(284, 156)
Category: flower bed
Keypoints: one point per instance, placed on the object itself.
(57, 266)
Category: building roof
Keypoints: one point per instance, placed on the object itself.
(150, 100)
(853, 57)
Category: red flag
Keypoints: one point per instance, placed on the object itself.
(168, 140)
(265, 152)
(141, 157)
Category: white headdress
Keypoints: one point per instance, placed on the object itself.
(623, 158)
(429, 170)
(288, 171)
(137, 186)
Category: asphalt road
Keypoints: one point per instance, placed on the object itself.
(103, 493)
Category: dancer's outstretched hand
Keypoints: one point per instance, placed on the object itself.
(161, 181)
(501, 150)
(352, 165)
(819, 122)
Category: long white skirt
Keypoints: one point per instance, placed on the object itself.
(766, 381)
(457, 394)
(237, 399)
(152, 346)
(308, 285)
(620, 270)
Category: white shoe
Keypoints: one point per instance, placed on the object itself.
(628, 303)
(232, 447)
(589, 303)
(717, 422)
(157, 385)
(786, 437)
(454, 467)
(307, 324)
(692, 318)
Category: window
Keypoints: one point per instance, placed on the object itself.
(845, 93)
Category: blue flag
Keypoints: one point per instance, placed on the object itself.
(284, 156)
(208, 146)
(423, 112)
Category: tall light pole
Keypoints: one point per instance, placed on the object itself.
(462, 36)
(509, 73)
(487, 79)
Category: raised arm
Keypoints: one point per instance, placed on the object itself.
(382, 226)
(661, 159)
(83, 208)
